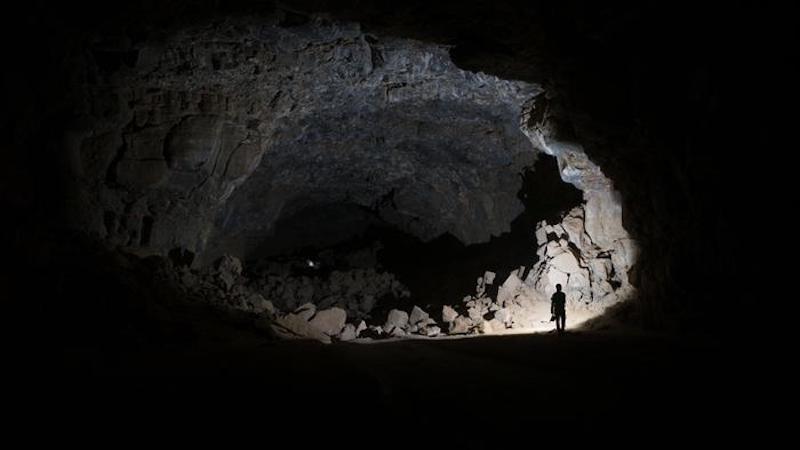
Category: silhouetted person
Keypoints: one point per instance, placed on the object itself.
(558, 304)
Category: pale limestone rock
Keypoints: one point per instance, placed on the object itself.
(541, 234)
(448, 314)
(398, 332)
(432, 331)
(306, 311)
(293, 326)
(396, 319)
(566, 263)
(348, 333)
(492, 326)
(461, 325)
(474, 313)
(330, 321)
(604, 218)
(503, 315)
(554, 249)
(508, 289)
(417, 315)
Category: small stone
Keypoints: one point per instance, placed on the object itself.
(503, 315)
(398, 332)
(541, 235)
(432, 331)
(417, 315)
(396, 319)
(461, 325)
(306, 311)
(492, 326)
(474, 313)
(349, 333)
(448, 314)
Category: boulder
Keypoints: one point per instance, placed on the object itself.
(361, 327)
(503, 315)
(475, 313)
(573, 225)
(417, 315)
(348, 333)
(552, 277)
(508, 289)
(488, 277)
(330, 321)
(396, 319)
(541, 234)
(566, 263)
(461, 325)
(293, 326)
(492, 326)
(306, 311)
(448, 314)
(398, 332)
(432, 331)
(553, 249)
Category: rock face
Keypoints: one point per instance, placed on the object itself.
(221, 135)
(590, 262)
(218, 132)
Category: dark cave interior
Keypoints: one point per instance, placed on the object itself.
(367, 157)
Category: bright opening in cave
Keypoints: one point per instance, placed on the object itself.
(438, 201)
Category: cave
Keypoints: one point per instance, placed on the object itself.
(351, 201)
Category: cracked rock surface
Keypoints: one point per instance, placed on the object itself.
(214, 133)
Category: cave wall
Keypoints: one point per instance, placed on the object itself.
(666, 97)
(311, 114)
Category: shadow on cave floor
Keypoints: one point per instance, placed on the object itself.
(112, 340)
(580, 379)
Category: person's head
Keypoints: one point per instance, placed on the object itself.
(558, 287)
